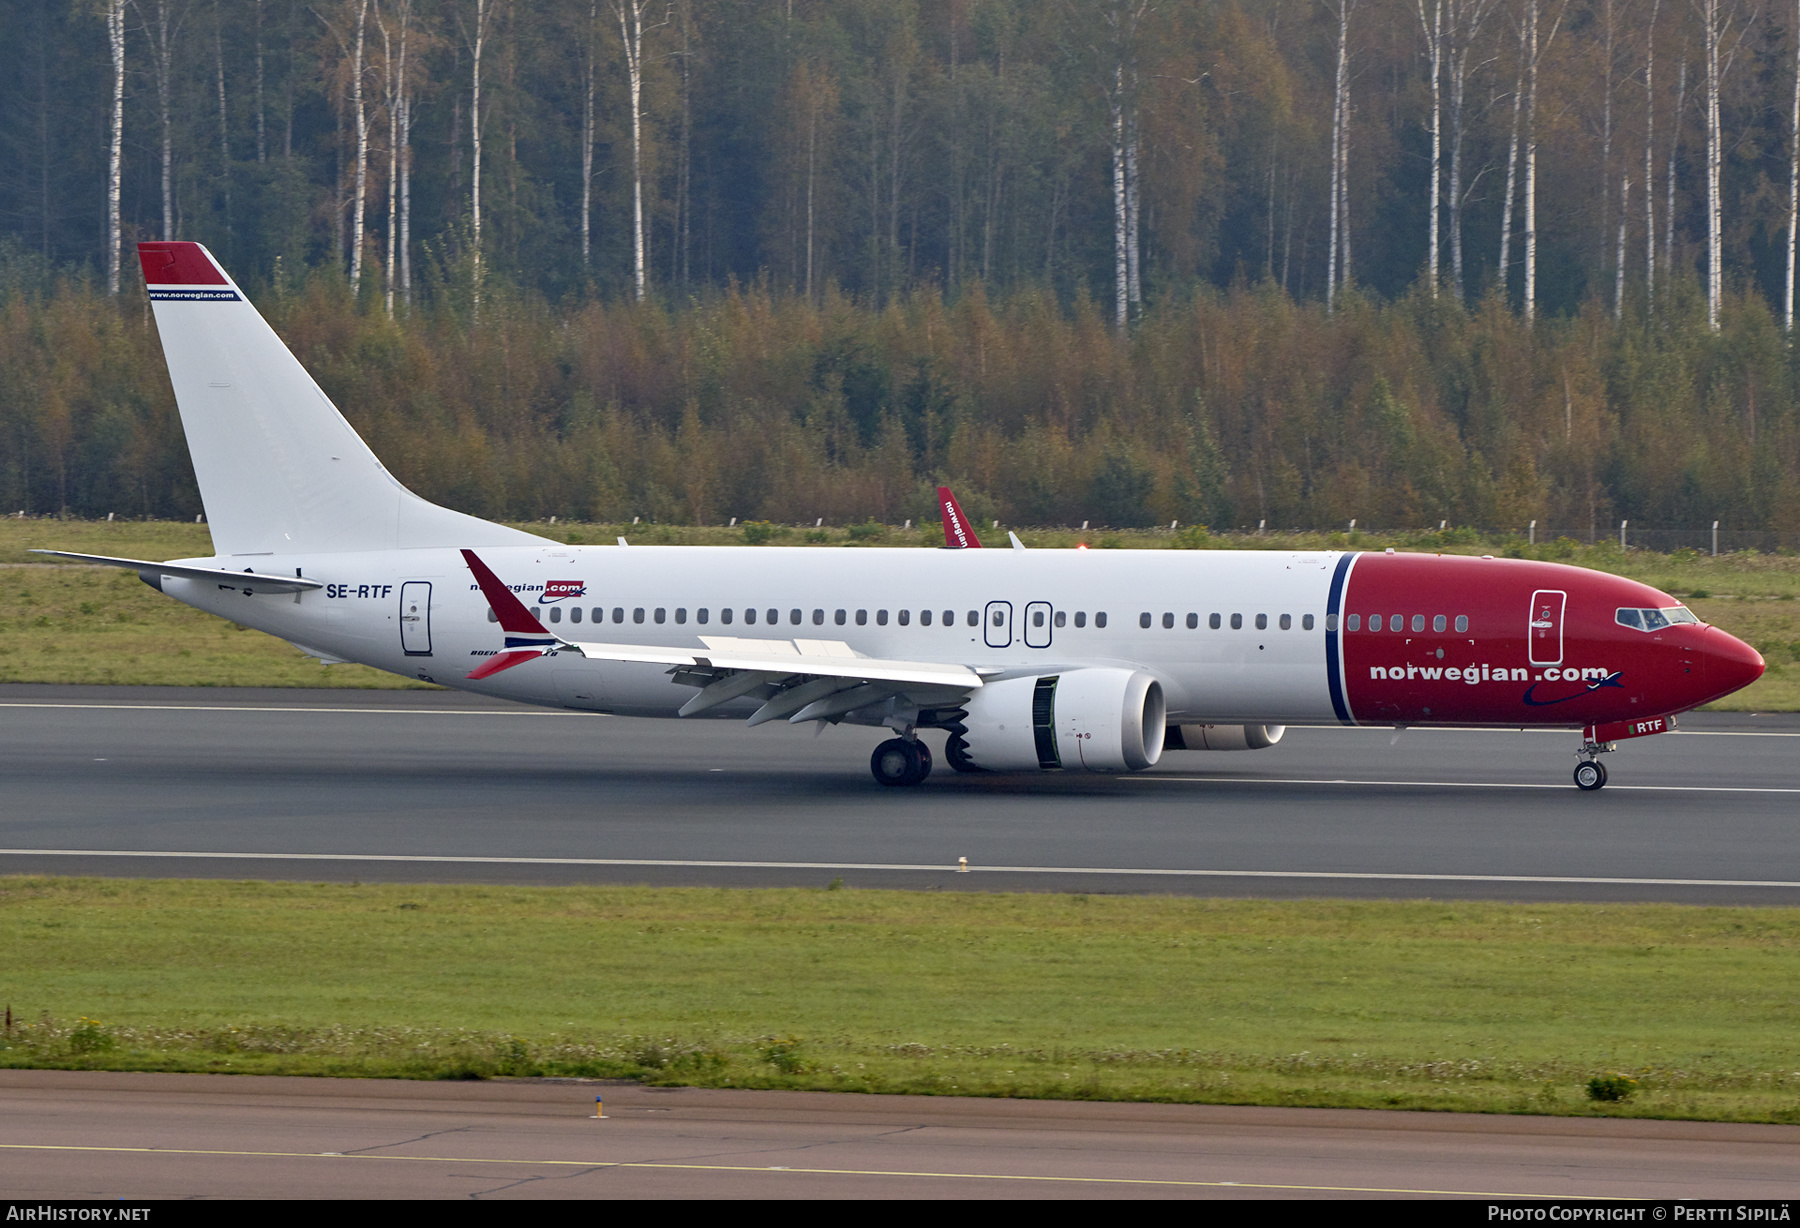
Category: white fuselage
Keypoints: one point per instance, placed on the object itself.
(1025, 612)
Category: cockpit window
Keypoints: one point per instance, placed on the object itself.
(1654, 620)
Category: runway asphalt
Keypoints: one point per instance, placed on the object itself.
(92, 1136)
(434, 786)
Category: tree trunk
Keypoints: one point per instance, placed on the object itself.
(360, 201)
(115, 37)
(631, 34)
(1433, 28)
(1793, 176)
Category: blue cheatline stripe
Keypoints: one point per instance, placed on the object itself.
(1333, 609)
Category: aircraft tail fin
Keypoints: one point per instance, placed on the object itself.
(958, 533)
(279, 468)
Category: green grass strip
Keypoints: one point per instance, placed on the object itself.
(1419, 1005)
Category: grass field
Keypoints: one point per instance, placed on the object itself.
(1497, 1008)
(99, 625)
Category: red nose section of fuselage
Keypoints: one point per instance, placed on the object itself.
(1432, 639)
(1730, 664)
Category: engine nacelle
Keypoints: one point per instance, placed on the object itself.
(1222, 737)
(1085, 720)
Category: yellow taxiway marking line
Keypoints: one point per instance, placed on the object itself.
(778, 1168)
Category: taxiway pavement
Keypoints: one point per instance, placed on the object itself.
(90, 1136)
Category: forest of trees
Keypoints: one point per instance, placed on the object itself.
(1220, 261)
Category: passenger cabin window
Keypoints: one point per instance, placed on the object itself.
(1355, 623)
(618, 614)
(725, 615)
(1439, 623)
(840, 617)
(1418, 622)
(974, 618)
(924, 618)
(1287, 622)
(774, 616)
(749, 618)
(950, 618)
(661, 615)
(1262, 622)
(1212, 621)
(701, 615)
(1306, 623)
(1081, 618)
(680, 615)
(637, 615)
(1168, 621)
(1100, 620)
(555, 613)
(818, 618)
(1144, 619)
(905, 617)
(575, 614)
(1193, 621)
(862, 618)
(793, 618)
(1062, 619)
(492, 617)
(1237, 622)
(1462, 622)
(881, 618)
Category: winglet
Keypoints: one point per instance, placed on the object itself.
(515, 617)
(957, 533)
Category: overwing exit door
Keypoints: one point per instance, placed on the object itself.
(415, 618)
(996, 624)
(1037, 625)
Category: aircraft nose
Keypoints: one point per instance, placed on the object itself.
(1731, 664)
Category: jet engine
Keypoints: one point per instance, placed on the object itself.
(1084, 720)
(1222, 737)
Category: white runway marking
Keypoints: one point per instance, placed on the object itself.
(428, 859)
(1451, 784)
(522, 711)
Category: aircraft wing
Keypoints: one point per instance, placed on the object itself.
(246, 579)
(784, 658)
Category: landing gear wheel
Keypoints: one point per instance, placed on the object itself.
(898, 761)
(956, 754)
(1590, 774)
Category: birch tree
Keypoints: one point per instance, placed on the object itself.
(1433, 27)
(1337, 269)
(631, 36)
(1793, 177)
(115, 38)
(1725, 25)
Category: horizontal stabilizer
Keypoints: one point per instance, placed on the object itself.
(246, 579)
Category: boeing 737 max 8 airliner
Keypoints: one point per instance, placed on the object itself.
(1027, 660)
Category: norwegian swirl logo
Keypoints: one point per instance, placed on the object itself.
(559, 590)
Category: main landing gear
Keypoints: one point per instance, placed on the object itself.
(1590, 773)
(901, 761)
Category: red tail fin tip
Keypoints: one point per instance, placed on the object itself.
(957, 533)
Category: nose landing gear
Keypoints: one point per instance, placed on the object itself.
(901, 761)
(1590, 773)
